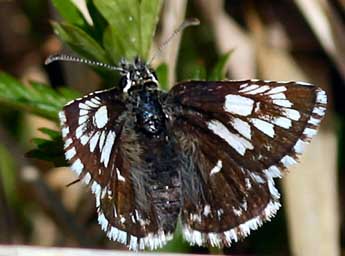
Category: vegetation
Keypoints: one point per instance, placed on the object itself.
(241, 40)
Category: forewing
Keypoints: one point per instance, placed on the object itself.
(265, 124)
(102, 151)
(236, 137)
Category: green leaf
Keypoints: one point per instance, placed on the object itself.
(199, 72)
(114, 46)
(38, 98)
(218, 72)
(132, 24)
(178, 244)
(49, 150)
(99, 23)
(51, 133)
(149, 14)
(68, 93)
(162, 74)
(81, 42)
(70, 13)
(8, 175)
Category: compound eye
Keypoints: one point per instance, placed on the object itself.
(123, 82)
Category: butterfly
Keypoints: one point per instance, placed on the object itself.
(206, 152)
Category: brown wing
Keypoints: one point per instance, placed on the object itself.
(102, 151)
(236, 137)
(265, 124)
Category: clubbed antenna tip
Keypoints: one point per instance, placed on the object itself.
(192, 22)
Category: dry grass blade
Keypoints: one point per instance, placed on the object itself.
(230, 36)
(311, 201)
(173, 16)
(327, 27)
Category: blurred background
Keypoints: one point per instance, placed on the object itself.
(275, 40)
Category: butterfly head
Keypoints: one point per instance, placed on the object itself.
(137, 75)
(134, 75)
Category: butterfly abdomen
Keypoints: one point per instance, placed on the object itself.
(166, 200)
(163, 180)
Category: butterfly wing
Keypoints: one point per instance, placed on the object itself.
(236, 136)
(102, 148)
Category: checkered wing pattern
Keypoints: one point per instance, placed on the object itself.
(236, 137)
(99, 147)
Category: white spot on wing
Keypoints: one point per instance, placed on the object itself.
(259, 90)
(87, 178)
(80, 131)
(91, 104)
(257, 178)
(96, 189)
(83, 119)
(62, 117)
(207, 210)
(304, 83)
(84, 139)
(237, 212)
(291, 114)
(77, 166)
(107, 149)
(257, 106)
(65, 132)
(217, 168)
(282, 122)
(95, 100)
(276, 90)
(314, 121)
(68, 142)
(248, 184)
(278, 96)
(283, 103)
(243, 85)
(309, 132)
(236, 142)
(299, 146)
(238, 105)
(83, 112)
(70, 153)
(94, 140)
(101, 117)
(274, 192)
(274, 172)
(242, 127)
(133, 244)
(101, 140)
(321, 97)
(263, 126)
(249, 88)
(84, 106)
(119, 176)
(319, 111)
(288, 161)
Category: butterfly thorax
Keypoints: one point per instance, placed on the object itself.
(140, 84)
(149, 114)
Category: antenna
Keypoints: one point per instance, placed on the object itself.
(185, 24)
(64, 57)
